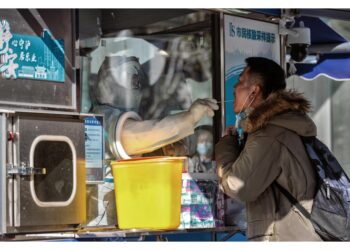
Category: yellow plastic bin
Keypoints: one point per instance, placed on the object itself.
(148, 192)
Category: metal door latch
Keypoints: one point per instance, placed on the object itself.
(24, 169)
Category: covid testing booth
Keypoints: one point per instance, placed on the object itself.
(94, 141)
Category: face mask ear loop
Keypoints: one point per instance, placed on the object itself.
(246, 99)
(238, 116)
(239, 130)
(251, 101)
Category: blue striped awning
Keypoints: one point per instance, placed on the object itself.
(334, 66)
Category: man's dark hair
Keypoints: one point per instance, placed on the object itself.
(270, 74)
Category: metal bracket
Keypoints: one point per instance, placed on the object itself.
(24, 169)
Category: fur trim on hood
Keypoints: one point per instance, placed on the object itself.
(276, 103)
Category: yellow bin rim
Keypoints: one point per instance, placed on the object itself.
(147, 159)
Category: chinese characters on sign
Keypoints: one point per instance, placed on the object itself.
(31, 57)
(94, 148)
(7, 56)
(252, 34)
(24, 45)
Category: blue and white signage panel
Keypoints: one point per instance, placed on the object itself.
(93, 142)
(245, 38)
(31, 57)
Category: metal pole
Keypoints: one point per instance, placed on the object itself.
(3, 188)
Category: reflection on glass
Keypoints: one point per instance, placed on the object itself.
(57, 184)
(201, 161)
(153, 75)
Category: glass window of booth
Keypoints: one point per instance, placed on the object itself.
(167, 60)
(166, 57)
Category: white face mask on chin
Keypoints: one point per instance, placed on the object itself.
(204, 148)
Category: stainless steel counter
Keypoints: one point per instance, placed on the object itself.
(113, 232)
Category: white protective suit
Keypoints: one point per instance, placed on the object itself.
(117, 96)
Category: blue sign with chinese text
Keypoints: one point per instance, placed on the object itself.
(252, 34)
(93, 142)
(31, 57)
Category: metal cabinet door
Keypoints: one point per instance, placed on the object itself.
(57, 197)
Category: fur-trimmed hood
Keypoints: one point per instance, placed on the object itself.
(286, 108)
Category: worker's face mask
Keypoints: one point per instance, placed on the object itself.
(205, 148)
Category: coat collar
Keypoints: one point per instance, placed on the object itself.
(276, 103)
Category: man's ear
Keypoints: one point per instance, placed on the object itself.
(256, 89)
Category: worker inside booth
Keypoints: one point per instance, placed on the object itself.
(202, 160)
(118, 93)
(154, 92)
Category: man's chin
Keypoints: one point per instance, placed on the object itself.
(235, 110)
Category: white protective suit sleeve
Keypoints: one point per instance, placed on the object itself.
(138, 137)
